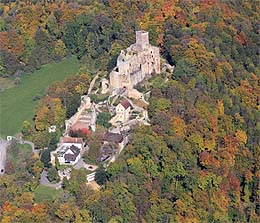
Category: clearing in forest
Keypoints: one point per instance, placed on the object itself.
(18, 103)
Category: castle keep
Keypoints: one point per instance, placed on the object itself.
(137, 62)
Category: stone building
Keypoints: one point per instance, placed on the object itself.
(137, 62)
(123, 112)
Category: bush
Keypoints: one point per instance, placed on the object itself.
(37, 97)
(99, 98)
(17, 81)
(103, 119)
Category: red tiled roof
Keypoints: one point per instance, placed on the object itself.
(125, 103)
(80, 126)
(68, 139)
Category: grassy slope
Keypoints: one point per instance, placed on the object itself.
(46, 193)
(6, 83)
(17, 105)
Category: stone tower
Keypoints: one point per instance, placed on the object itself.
(142, 39)
(138, 62)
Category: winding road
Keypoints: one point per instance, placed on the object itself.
(35, 151)
(44, 181)
(3, 148)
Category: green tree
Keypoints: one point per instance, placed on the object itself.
(46, 158)
(53, 175)
(103, 119)
(77, 178)
(27, 128)
(101, 176)
(184, 70)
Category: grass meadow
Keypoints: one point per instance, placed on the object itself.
(46, 193)
(18, 103)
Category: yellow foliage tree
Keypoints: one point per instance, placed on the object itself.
(241, 136)
(198, 54)
(49, 112)
(179, 126)
(60, 48)
(221, 108)
(223, 68)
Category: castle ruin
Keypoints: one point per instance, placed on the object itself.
(137, 62)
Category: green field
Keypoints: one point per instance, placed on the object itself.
(46, 193)
(16, 103)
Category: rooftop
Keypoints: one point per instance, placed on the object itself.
(72, 157)
(125, 103)
(68, 139)
(141, 31)
(113, 137)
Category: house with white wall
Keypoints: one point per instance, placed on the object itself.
(68, 155)
(123, 112)
(69, 151)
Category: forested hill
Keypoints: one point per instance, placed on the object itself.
(223, 33)
(199, 160)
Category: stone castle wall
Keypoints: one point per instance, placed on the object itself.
(137, 62)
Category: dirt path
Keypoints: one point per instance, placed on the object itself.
(35, 151)
(92, 83)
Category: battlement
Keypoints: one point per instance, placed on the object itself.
(142, 38)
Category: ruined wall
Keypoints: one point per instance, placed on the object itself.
(137, 62)
(142, 39)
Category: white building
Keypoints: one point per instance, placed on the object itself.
(123, 112)
(68, 155)
(69, 141)
(68, 152)
(52, 128)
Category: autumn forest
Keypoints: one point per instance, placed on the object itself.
(198, 161)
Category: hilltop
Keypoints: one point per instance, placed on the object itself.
(197, 161)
